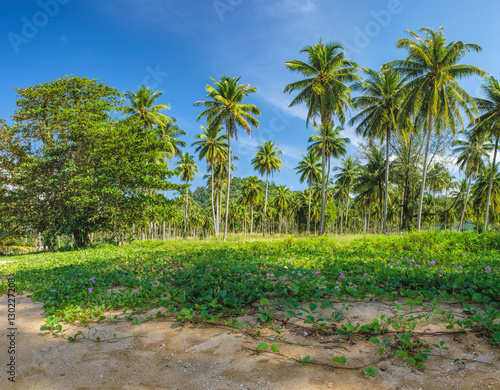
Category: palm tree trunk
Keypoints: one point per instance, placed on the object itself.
(386, 192)
(460, 225)
(265, 208)
(213, 208)
(486, 214)
(309, 210)
(251, 217)
(186, 214)
(228, 181)
(422, 190)
(346, 213)
(323, 198)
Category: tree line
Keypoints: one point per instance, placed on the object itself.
(70, 168)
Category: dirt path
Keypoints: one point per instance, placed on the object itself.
(163, 354)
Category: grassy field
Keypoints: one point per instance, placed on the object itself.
(208, 279)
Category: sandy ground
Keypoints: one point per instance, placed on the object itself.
(164, 354)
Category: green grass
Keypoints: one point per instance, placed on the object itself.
(205, 280)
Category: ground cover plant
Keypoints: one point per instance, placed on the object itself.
(264, 288)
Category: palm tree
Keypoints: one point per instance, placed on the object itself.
(489, 123)
(226, 107)
(188, 171)
(470, 160)
(346, 179)
(379, 103)
(481, 188)
(335, 146)
(281, 201)
(433, 97)
(142, 107)
(324, 91)
(310, 169)
(266, 161)
(213, 147)
(251, 192)
(168, 132)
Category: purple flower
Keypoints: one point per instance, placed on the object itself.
(79, 274)
(317, 272)
(90, 289)
(264, 264)
(411, 261)
(92, 279)
(342, 275)
(463, 254)
(441, 272)
(293, 272)
(397, 262)
(488, 269)
(210, 269)
(433, 262)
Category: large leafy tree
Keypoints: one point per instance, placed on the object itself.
(309, 169)
(433, 97)
(211, 146)
(266, 162)
(489, 123)
(225, 107)
(379, 104)
(141, 107)
(188, 170)
(72, 170)
(325, 91)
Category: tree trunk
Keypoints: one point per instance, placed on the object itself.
(386, 192)
(487, 212)
(265, 208)
(309, 210)
(323, 162)
(422, 190)
(186, 215)
(251, 217)
(212, 195)
(228, 180)
(462, 217)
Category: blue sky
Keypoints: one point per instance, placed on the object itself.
(176, 46)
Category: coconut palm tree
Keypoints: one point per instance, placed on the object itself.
(266, 162)
(489, 123)
(188, 170)
(433, 98)
(251, 192)
(325, 92)
(309, 169)
(335, 146)
(346, 179)
(281, 201)
(142, 108)
(471, 152)
(379, 104)
(226, 107)
(212, 146)
(481, 188)
(168, 131)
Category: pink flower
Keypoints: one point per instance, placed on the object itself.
(90, 289)
(92, 279)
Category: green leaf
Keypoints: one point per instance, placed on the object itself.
(399, 307)
(411, 360)
(312, 306)
(306, 359)
(496, 337)
(264, 301)
(374, 340)
(438, 310)
(275, 347)
(339, 359)
(370, 371)
(401, 353)
(410, 302)
(262, 346)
